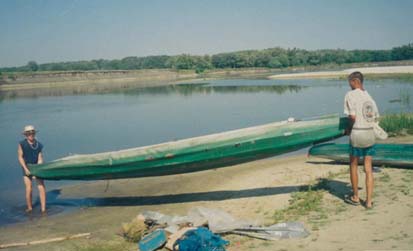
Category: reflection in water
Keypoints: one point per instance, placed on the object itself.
(189, 89)
(181, 89)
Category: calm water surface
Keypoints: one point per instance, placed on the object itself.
(93, 123)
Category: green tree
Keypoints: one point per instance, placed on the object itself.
(298, 57)
(202, 63)
(129, 63)
(228, 60)
(100, 63)
(283, 58)
(275, 63)
(32, 65)
(403, 52)
(314, 58)
(154, 62)
(272, 57)
(262, 58)
(184, 62)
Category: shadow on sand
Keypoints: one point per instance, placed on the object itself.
(57, 205)
(334, 187)
(327, 162)
(53, 197)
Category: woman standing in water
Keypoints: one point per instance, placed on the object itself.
(29, 151)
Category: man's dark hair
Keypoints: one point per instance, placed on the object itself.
(356, 75)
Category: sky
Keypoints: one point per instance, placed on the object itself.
(71, 30)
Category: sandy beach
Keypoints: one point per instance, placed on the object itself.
(254, 191)
(343, 73)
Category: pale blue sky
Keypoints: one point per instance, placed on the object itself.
(68, 30)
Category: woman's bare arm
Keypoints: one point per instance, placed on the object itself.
(21, 160)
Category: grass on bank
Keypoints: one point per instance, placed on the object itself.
(407, 77)
(301, 204)
(397, 124)
(308, 202)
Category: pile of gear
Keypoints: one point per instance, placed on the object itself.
(200, 230)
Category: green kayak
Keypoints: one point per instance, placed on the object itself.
(398, 155)
(195, 154)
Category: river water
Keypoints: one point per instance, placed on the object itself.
(90, 123)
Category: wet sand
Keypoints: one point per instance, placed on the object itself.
(252, 191)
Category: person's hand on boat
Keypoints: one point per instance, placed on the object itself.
(27, 172)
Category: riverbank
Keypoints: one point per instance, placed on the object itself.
(263, 191)
(76, 83)
(16, 84)
(111, 85)
(386, 71)
(144, 78)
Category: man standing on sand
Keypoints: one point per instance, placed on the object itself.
(29, 151)
(363, 113)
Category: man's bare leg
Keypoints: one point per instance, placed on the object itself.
(28, 184)
(42, 194)
(354, 178)
(368, 168)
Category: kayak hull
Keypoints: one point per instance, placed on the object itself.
(195, 154)
(391, 155)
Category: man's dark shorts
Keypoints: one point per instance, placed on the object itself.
(362, 152)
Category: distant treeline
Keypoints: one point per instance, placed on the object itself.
(271, 58)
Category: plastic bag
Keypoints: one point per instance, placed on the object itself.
(218, 220)
(285, 230)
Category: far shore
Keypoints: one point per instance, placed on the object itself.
(74, 83)
(35, 84)
(120, 79)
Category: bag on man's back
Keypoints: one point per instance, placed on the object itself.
(379, 132)
(362, 138)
